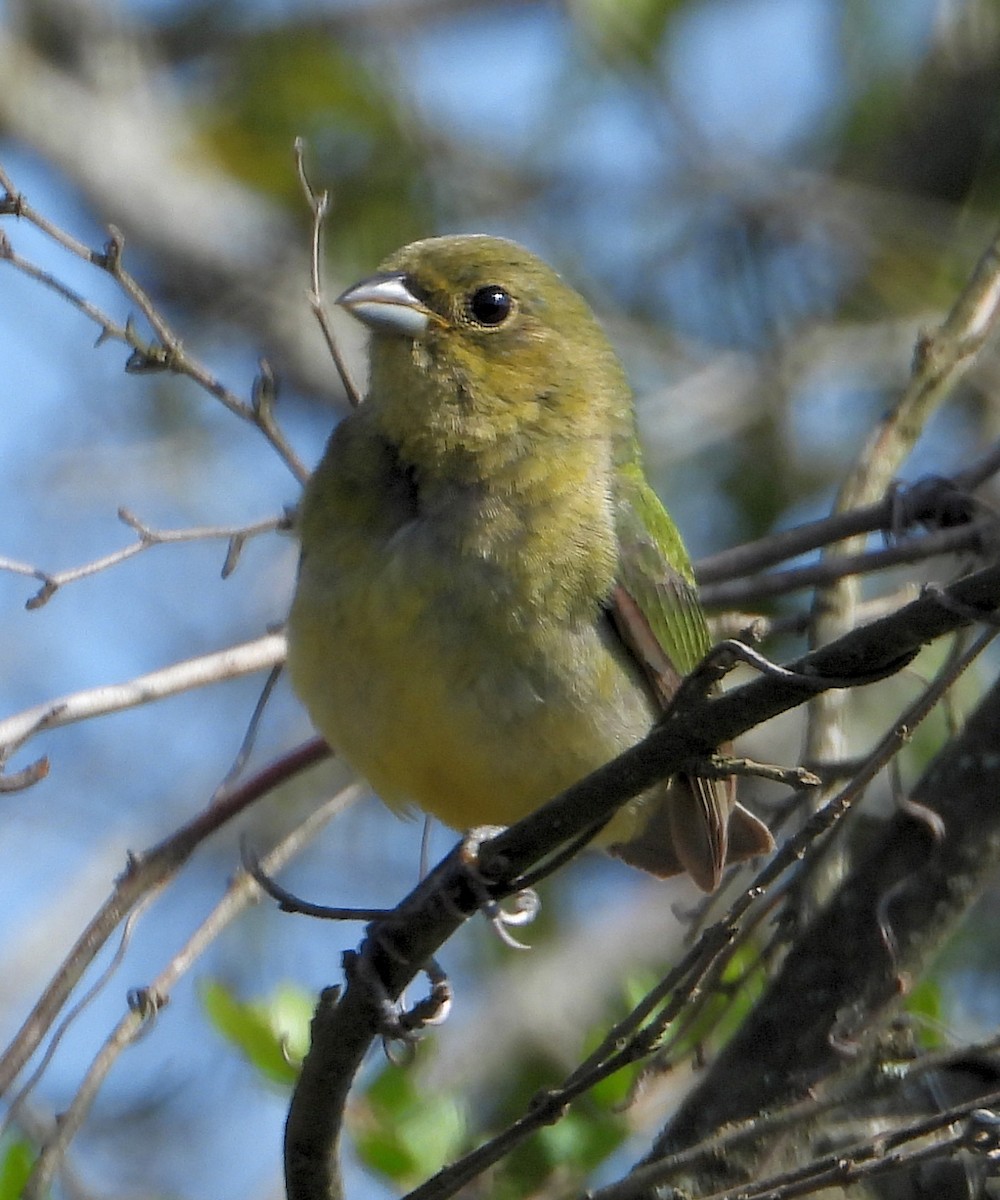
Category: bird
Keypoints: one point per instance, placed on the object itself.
(491, 601)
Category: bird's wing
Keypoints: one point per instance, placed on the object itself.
(697, 826)
(656, 606)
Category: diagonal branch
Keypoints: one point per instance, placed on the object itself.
(244, 659)
(942, 357)
(144, 873)
(345, 1025)
(856, 963)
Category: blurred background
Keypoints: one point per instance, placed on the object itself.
(764, 200)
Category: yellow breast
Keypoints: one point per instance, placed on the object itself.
(430, 685)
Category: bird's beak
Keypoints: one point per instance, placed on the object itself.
(386, 304)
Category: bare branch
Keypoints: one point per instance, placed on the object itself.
(755, 588)
(864, 1159)
(125, 141)
(319, 205)
(244, 659)
(145, 873)
(166, 353)
(941, 358)
(664, 1015)
(109, 327)
(17, 1104)
(52, 581)
(925, 502)
(240, 894)
(803, 1114)
(342, 1031)
(925, 885)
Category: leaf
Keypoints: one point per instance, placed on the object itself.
(403, 1133)
(15, 1166)
(271, 1034)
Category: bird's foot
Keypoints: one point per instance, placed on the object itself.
(398, 1024)
(933, 502)
(522, 906)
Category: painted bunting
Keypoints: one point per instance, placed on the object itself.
(491, 600)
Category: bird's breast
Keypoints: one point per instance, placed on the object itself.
(453, 687)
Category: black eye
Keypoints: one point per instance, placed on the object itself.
(491, 305)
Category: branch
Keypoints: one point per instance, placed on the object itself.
(319, 206)
(933, 501)
(899, 1150)
(165, 353)
(663, 1018)
(941, 359)
(125, 140)
(876, 650)
(231, 663)
(236, 535)
(147, 1001)
(144, 873)
(973, 537)
(344, 1025)
(857, 960)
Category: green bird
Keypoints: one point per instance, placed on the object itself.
(491, 600)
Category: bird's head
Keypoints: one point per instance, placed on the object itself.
(480, 349)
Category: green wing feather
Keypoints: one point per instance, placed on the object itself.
(697, 824)
(656, 572)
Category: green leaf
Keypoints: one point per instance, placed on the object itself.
(402, 1133)
(16, 1161)
(627, 33)
(741, 984)
(926, 1003)
(272, 1034)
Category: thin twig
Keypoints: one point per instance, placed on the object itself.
(893, 515)
(642, 1030)
(288, 902)
(110, 329)
(244, 659)
(167, 352)
(144, 873)
(870, 1156)
(12, 1115)
(253, 727)
(52, 581)
(940, 360)
(755, 588)
(319, 206)
(240, 894)
(805, 1113)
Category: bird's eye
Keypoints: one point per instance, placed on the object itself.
(490, 305)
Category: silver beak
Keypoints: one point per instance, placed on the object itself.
(384, 303)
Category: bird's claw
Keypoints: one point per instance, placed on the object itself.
(933, 502)
(524, 905)
(399, 1025)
